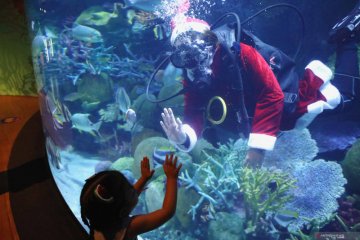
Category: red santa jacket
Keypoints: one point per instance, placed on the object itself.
(266, 97)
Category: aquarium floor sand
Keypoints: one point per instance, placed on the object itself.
(34, 207)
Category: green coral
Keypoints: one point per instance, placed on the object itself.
(259, 198)
(145, 111)
(351, 168)
(95, 87)
(123, 163)
(110, 114)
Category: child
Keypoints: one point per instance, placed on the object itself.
(107, 199)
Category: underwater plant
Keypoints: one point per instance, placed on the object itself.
(264, 191)
(215, 179)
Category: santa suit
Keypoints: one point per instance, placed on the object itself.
(264, 99)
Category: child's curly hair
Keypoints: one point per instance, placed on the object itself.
(106, 198)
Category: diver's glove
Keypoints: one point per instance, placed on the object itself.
(181, 135)
(172, 127)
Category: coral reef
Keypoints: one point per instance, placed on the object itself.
(95, 87)
(197, 151)
(226, 226)
(123, 163)
(154, 194)
(215, 179)
(351, 168)
(303, 149)
(318, 184)
(137, 138)
(347, 218)
(146, 148)
(74, 59)
(186, 197)
(264, 191)
(288, 191)
(110, 114)
(146, 112)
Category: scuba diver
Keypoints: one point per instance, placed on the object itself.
(232, 90)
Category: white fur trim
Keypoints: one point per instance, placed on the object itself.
(261, 141)
(316, 107)
(320, 70)
(332, 95)
(192, 137)
(183, 27)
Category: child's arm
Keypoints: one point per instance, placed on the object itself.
(144, 223)
(146, 174)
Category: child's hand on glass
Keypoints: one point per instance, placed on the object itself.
(146, 173)
(170, 169)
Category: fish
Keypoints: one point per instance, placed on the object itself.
(130, 15)
(122, 99)
(159, 154)
(40, 46)
(272, 185)
(159, 32)
(90, 106)
(53, 153)
(86, 34)
(145, 5)
(81, 122)
(96, 16)
(130, 115)
(59, 112)
(74, 96)
(285, 217)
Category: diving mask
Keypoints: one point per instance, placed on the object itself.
(190, 52)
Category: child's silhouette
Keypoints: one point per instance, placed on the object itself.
(107, 199)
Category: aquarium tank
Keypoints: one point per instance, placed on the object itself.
(120, 80)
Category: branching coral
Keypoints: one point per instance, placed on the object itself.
(74, 58)
(318, 185)
(215, 180)
(264, 191)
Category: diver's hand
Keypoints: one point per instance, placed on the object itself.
(172, 128)
(254, 158)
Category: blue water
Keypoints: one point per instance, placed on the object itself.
(93, 61)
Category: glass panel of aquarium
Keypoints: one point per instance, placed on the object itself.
(214, 83)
